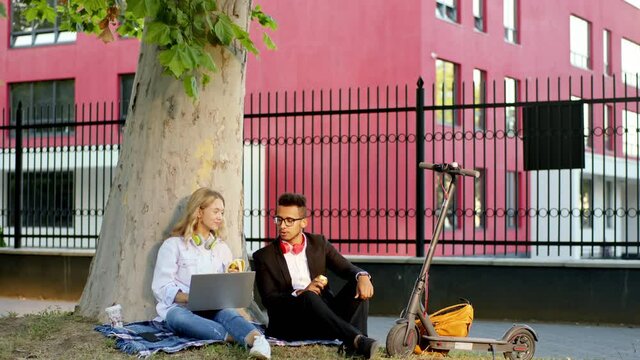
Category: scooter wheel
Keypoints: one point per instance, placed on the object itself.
(396, 346)
(524, 345)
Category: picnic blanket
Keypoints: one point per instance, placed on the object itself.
(129, 341)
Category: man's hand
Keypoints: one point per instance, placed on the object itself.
(181, 297)
(364, 289)
(316, 286)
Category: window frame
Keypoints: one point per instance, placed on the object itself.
(479, 97)
(587, 121)
(479, 18)
(608, 119)
(511, 200)
(447, 10)
(586, 188)
(631, 136)
(442, 90)
(606, 52)
(451, 221)
(36, 32)
(630, 69)
(123, 100)
(479, 204)
(511, 122)
(37, 115)
(31, 217)
(511, 33)
(576, 58)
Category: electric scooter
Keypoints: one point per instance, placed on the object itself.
(518, 342)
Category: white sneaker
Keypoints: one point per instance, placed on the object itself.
(260, 349)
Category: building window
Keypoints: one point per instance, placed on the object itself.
(609, 127)
(631, 124)
(510, 20)
(25, 33)
(630, 53)
(587, 203)
(445, 93)
(43, 102)
(447, 10)
(47, 199)
(606, 51)
(609, 207)
(451, 220)
(587, 122)
(511, 199)
(510, 112)
(479, 220)
(479, 98)
(126, 86)
(478, 15)
(580, 42)
(635, 3)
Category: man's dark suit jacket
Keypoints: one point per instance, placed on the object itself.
(274, 281)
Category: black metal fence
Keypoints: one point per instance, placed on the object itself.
(353, 153)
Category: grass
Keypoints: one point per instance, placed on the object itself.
(54, 334)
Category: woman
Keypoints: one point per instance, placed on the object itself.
(196, 248)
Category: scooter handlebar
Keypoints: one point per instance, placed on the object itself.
(450, 168)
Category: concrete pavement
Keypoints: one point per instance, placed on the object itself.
(556, 341)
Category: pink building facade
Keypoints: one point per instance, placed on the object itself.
(333, 45)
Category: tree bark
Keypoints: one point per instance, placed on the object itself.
(172, 146)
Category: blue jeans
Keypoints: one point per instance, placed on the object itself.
(209, 325)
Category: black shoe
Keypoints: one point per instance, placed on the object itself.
(366, 346)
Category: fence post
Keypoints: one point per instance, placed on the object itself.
(17, 181)
(419, 172)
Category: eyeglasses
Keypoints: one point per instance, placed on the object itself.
(287, 221)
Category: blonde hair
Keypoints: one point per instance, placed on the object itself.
(200, 199)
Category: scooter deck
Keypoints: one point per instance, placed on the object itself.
(466, 339)
(467, 343)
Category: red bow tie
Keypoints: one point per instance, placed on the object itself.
(295, 248)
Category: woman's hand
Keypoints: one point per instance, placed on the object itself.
(181, 298)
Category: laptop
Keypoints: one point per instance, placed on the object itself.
(221, 291)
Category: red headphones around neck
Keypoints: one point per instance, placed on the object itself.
(295, 248)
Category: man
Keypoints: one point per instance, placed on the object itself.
(299, 302)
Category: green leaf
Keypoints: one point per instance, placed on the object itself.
(207, 62)
(170, 59)
(158, 33)
(152, 6)
(190, 86)
(3, 10)
(211, 5)
(137, 8)
(206, 79)
(248, 44)
(187, 56)
(268, 41)
(95, 5)
(263, 19)
(224, 30)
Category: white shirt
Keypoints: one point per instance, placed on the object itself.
(298, 268)
(177, 261)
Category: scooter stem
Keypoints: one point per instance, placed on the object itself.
(413, 308)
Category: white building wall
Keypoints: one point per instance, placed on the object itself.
(93, 170)
(560, 189)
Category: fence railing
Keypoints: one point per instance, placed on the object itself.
(354, 154)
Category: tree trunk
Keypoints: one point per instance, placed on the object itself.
(172, 146)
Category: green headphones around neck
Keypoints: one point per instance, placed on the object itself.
(198, 241)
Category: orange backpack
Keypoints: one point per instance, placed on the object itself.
(454, 320)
